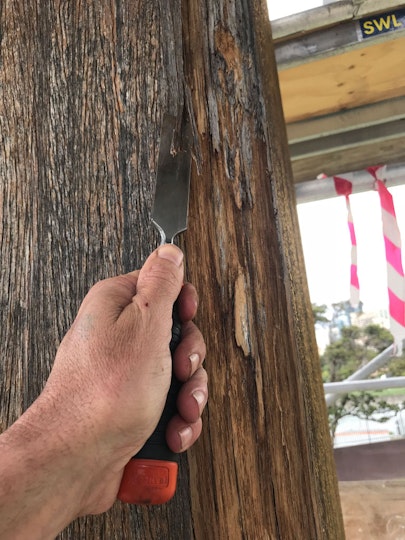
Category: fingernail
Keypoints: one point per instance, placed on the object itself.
(194, 361)
(186, 435)
(171, 253)
(199, 396)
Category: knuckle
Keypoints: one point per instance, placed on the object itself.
(100, 287)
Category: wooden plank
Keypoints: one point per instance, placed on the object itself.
(321, 44)
(353, 159)
(83, 90)
(306, 22)
(355, 78)
(363, 8)
(365, 131)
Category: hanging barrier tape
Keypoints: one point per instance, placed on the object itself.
(323, 186)
(393, 254)
(344, 187)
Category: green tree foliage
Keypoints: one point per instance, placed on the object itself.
(361, 404)
(377, 338)
(396, 367)
(354, 348)
(319, 313)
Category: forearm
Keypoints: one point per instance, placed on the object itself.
(40, 484)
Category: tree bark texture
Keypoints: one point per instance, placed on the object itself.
(83, 88)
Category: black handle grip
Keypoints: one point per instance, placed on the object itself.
(156, 446)
(151, 475)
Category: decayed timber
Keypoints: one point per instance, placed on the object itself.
(265, 469)
(83, 89)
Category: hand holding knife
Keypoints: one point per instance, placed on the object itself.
(151, 475)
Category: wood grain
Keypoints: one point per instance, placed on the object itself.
(361, 76)
(83, 89)
(264, 468)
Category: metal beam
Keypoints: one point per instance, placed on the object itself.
(337, 163)
(317, 18)
(384, 131)
(327, 30)
(324, 188)
(361, 386)
(371, 367)
(348, 140)
(366, 116)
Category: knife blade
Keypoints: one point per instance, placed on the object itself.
(151, 475)
(170, 209)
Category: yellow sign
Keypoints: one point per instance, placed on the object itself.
(387, 22)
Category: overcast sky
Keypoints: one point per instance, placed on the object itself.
(281, 9)
(326, 244)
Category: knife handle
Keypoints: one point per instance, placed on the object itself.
(150, 477)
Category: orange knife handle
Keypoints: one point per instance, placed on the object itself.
(150, 477)
(148, 481)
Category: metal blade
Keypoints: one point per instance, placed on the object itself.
(170, 210)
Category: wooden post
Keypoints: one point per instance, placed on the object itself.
(266, 468)
(83, 87)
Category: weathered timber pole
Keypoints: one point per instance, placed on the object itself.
(83, 86)
(265, 467)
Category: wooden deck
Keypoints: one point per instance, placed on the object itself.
(373, 510)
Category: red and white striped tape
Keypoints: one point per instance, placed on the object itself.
(393, 254)
(344, 187)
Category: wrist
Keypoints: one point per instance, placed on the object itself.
(42, 477)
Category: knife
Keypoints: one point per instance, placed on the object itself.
(151, 475)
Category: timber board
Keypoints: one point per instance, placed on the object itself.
(337, 83)
(357, 158)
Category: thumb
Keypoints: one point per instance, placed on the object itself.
(161, 277)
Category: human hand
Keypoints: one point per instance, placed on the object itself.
(119, 345)
(106, 393)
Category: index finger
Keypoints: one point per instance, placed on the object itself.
(187, 302)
